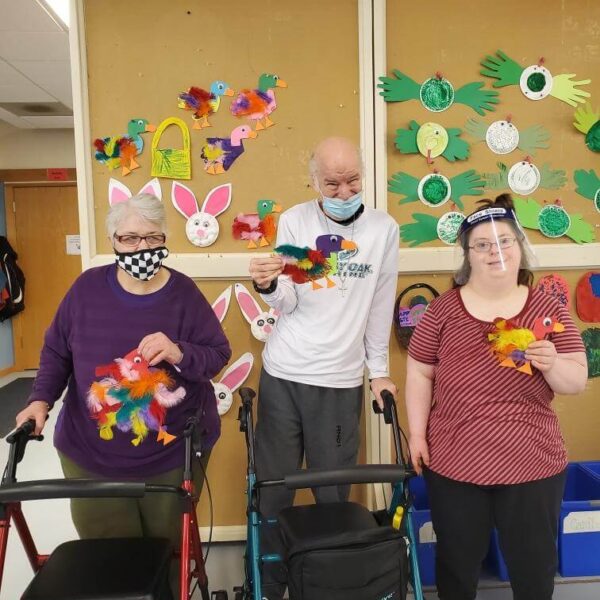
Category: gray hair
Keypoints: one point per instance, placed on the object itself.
(147, 206)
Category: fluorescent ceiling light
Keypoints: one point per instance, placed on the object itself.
(58, 10)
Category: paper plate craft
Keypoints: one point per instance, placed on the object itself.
(523, 178)
(407, 317)
(591, 340)
(203, 103)
(435, 189)
(588, 186)
(262, 322)
(588, 122)
(502, 137)
(259, 103)
(553, 220)
(437, 93)
(556, 286)
(201, 227)
(221, 304)
(432, 140)
(173, 163)
(587, 295)
(536, 81)
(426, 228)
(219, 154)
(258, 228)
(231, 380)
(133, 397)
(509, 341)
(120, 151)
(119, 192)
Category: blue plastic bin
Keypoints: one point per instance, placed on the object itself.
(495, 560)
(579, 532)
(593, 467)
(423, 529)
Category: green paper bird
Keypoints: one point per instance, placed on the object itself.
(437, 93)
(426, 228)
(435, 189)
(536, 81)
(588, 122)
(588, 185)
(523, 178)
(553, 220)
(432, 140)
(502, 137)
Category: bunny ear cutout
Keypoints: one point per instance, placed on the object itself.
(153, 188)
(217, 200)
(221, 304)
(183, 199)
(249, 306)
(117, 192)
(237, 373)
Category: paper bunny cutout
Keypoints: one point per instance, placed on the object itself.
(119, 192)
(202, 227)
(262, 322)
(231, 380)
(221, 304)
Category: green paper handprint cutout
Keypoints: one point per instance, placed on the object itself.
(502, 68)
(478, 99)
(588, 186)
(552, 179)
(398, 88)
(423, 230)
(432, 140)
(405, 185)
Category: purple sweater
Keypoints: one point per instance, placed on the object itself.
(97, 322)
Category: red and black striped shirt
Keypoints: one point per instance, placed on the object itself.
(489, 424)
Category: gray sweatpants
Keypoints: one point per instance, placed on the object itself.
(297, 421)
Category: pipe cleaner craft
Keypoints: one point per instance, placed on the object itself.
(259, 226)
(231, 380)
(535, 81)
(132, 396)
(119, 192)
(437, 93)
(591, 341)
(259, 103)
(426, 228)
(557, 287)
(202, 103)
(588, 185)
(432, 140)
(262, 322)
(553, 220)
(219, 154)
(503, 137)
(509, 341)
(121, 150)
(524, 178)
(436, 189)
(588, 122)
(201, 227)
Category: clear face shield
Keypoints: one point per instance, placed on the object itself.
(492, 241)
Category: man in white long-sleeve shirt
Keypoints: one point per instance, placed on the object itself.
(311, 385)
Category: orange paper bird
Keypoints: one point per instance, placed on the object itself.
(257, 226)
(509, 341)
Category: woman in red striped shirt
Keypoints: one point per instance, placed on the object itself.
(483, 432)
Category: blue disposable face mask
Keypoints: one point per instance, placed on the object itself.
(340, 210)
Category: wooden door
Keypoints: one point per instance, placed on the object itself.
(43, 217)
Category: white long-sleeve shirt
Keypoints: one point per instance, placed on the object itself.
(325, 336)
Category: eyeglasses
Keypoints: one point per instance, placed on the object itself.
(155, 239)
(502, 243)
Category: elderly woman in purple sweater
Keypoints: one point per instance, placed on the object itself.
(135, 344)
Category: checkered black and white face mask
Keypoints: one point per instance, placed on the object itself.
(142, 264)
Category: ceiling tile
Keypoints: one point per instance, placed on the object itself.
(13, 120)
(50, 122)
(52, 76)
(27, 45)
(25, 15)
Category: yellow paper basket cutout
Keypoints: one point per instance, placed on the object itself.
(173, 163)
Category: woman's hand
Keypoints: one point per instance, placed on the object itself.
(157, 347)
(36, 410)
(419, 452)
(542, 355)
(264, 270)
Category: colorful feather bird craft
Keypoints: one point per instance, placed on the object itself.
(203, 103)
(134, 398)
(305, 264)
(258, 228)
(509, 341)
(259, 103)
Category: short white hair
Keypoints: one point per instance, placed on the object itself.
(313, 164)
(147, 206)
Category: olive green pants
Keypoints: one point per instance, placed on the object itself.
(154, 515)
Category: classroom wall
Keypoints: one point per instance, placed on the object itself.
(36, 148)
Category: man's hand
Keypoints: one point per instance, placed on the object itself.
(36, 410)
(264, 270)
(157, 347)
(383, 383)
